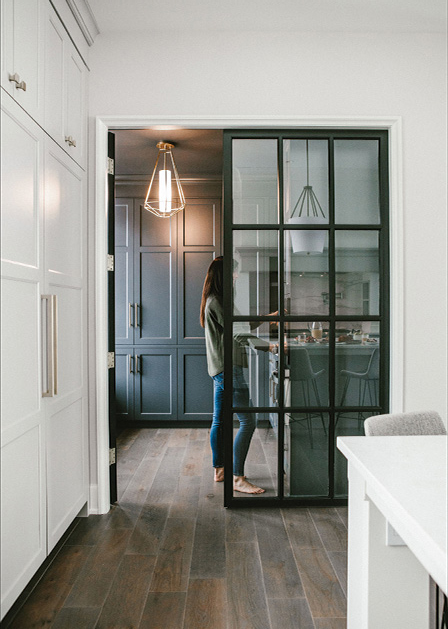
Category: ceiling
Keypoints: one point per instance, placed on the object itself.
(197, 152)
(270, 15)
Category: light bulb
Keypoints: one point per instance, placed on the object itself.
(165, 190)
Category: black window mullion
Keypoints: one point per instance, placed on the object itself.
(281, 326)
(332, 312)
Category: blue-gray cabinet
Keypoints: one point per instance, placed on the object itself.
(160, 265)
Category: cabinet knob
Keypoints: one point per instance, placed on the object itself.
(70, 141)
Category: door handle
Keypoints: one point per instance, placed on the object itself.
(138, 363)
(130, 315)
(137, 315)
(51, 345)
(131, 370)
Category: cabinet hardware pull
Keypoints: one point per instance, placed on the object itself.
(137, 315)
(21, 86)
(70, 140)
(51, 337)
(14, 78)
(138, 363)
(54, 305)
(130, 315)
(131, 370)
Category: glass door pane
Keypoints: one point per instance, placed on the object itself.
(307, 308)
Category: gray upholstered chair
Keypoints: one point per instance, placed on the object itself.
(415, 423)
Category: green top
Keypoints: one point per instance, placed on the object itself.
(214, 338)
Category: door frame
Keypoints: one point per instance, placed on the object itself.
(99, 495)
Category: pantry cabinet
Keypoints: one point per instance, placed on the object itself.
(65, 99)
(23, 54)
(44, 423)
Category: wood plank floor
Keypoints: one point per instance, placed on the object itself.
(169, 556)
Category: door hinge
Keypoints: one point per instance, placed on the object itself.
(110, 166)
(110, 360)
(112, 456)
(110, 262)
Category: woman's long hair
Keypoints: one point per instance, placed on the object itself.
(213, 285)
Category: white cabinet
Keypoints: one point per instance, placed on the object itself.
(44, 439)
(65, 92)
(23, 54)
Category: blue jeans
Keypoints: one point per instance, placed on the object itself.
(247, 422)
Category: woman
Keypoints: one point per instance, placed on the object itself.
(212, 319)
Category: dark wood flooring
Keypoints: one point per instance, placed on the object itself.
(169, 556)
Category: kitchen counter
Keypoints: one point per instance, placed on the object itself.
(398, 482)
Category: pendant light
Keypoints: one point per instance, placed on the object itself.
(166, 178)
(308, 241)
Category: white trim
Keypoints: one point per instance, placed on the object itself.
(104, 123)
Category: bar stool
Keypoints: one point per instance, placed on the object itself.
(302, 371)
(367, 380)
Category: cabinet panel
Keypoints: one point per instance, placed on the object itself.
(156, 384)
(55, 37)
(66, 457)
(64, 211)
(124, 276)
(23, 512)
(200, 223)
(21, 162)
(195, 385)
(75, 105)
(23, 50)
(21, 351)
(194, 269)
(156, 294)
(155, 231)
(124, 383)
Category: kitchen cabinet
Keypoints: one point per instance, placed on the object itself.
(65, 78)
(44, 423)
(23, 54)
(160, 266)
(44, 346)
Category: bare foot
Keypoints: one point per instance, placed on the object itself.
(240, 483)
(219, 474)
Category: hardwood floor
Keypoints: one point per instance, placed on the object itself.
(169, 556)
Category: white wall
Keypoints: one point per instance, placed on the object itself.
(331, 74)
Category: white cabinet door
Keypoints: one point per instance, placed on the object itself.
(75, 124)
(55, 44)
(65, 277)
(23, 53)
(65, 90)
(23, 500)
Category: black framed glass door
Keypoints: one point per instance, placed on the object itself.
(306, 306)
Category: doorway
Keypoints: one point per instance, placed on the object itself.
(160, 264)
(100, 295)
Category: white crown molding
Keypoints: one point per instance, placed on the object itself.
(85, 19)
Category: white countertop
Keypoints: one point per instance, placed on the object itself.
(406, 477)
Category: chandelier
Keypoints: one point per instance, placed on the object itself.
(169, 198)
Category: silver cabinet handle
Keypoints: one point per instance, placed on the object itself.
(131, 370)
(130, 315)
(15, 78)
(137, 315)
(70, 140)
(138, 363)
(54, 307)
(51, 342)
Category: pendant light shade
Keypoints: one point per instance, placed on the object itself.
(310, 212)
(165, 196)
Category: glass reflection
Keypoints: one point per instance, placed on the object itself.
(306, 360)
(260, 467)
(357, 360)
(255, 272)
(357, 190)
(306, 455)
(306, 278)
(357, 273)
(255, 188)
(346, 424)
